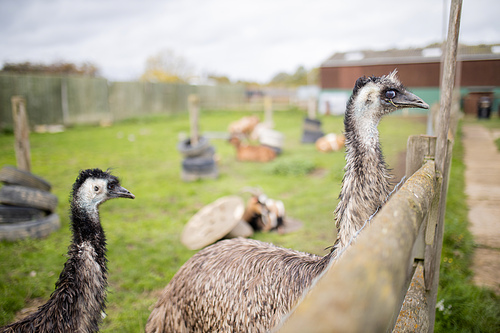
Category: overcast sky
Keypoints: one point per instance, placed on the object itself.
(250, 40)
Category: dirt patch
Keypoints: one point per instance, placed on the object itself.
(482, 179)
(486, 267)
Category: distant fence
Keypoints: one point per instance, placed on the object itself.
(70, 100)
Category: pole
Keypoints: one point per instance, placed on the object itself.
(22, 133)
(194, 111)
(443, 156)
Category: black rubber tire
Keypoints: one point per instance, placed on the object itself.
(198, 164)
(38, 228)
(190, 176)
(313, 125)
(208, 153)
(28, 197)
(311, 137)
(12, 176)
(185, 148)
(14, 214)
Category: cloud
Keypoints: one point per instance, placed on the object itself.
(242, 39)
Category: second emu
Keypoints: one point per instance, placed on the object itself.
(244, 285)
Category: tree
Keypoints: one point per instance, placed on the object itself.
(301, 77)
(60, 67)
(166, 66)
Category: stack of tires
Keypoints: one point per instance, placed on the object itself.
(312, 131)
(27, 208)
(198, 160)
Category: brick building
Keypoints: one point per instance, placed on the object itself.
(478, 72)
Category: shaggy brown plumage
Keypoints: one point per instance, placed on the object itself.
(242, 285)
(79, 300)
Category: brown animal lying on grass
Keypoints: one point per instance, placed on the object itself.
(245, 152)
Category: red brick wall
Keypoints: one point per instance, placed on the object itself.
(473, 73)
(480, 73)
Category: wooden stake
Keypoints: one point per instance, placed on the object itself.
(311, 108)
(22, 133)
(194, 111)
(443, 150)
(268, 110)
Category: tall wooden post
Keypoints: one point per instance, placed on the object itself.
(22, 133)
(443, 154)
(311, 107)
(268, 110)
(194, 112)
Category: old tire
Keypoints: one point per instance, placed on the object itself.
(14, 214)
(13, 176)
(198, 164)
(311, 137)
(34, 229)
(312, 130)
(191, 176)
(185, 148)
(28, 197)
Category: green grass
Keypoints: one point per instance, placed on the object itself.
(144, 248)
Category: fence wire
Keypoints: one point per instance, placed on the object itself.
(70, 100)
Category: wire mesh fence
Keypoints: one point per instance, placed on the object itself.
(70, 100)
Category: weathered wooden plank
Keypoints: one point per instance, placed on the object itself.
(362, 292)
(419, 149)
(268, 111)
(194, 113)
(22, 133)
(443, 154)
(414, 315)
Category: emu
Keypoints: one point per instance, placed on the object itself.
(244, 285)
(79, 300)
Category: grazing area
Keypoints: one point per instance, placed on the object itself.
(143, 235)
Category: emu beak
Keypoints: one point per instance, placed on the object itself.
(409, 100)
(122, 192)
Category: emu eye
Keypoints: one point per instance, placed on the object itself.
(390, 94)
(111, 186)
(96, 188)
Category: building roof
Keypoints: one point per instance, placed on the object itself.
(431, 53)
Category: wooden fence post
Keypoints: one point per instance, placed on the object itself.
(415, 313)
(22, 133)
(268, 110)
(443, 150)
(311, 108)
(64, 101)
(194, 111)
(363, 290)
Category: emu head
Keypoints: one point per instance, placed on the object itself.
(94, 186)
(374, 97)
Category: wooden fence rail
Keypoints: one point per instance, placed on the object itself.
(367, 289)
(364, 290)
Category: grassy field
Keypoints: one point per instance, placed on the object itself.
(144, 248)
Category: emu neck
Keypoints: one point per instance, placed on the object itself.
(85, 272)
(365, 185)
(87, 230)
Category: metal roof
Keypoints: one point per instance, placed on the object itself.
(431, 53)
